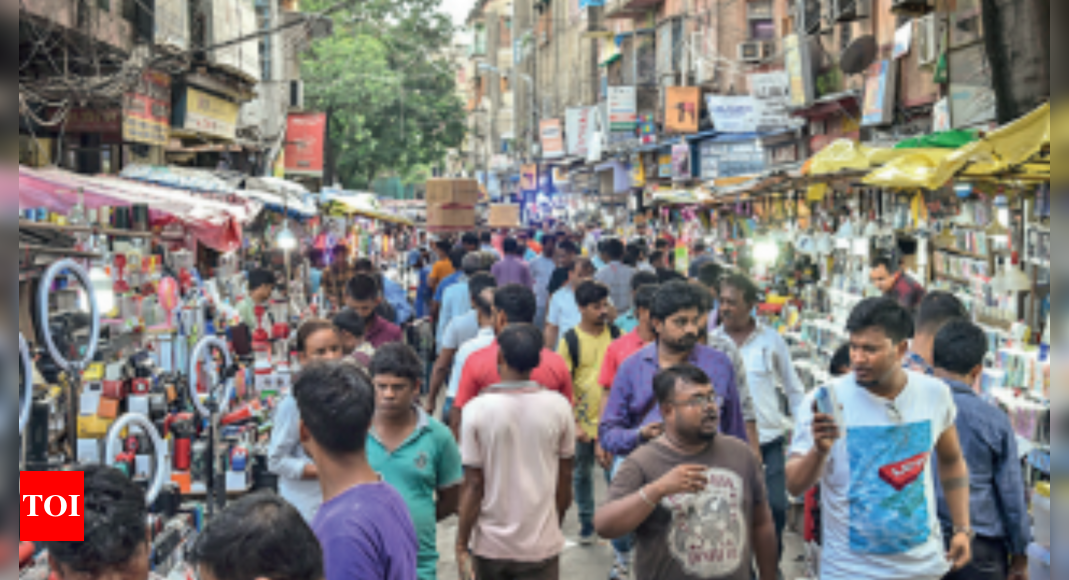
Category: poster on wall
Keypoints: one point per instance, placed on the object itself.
(732, 114)
(771, 94)
(879, 94)
(305, 137)
(578, 124)
(552, 139)
(681, 163)
(664, 165)
(681, 110)
(623, 107)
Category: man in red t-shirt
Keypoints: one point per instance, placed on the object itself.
(512, 305)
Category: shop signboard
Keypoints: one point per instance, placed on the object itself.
(199, 113)
(172, 24)
(681, 110)
(772, 102)
(732, 159)
(552, 139)
(147, 110)
(623, 105)
(584, 4)
(647, 129)
(578, 123)
(638, 171)
(87, 120)
(732, 114)
(305, 139)
(799, 68)
(782, 154)
(879, 103)
(681, 162)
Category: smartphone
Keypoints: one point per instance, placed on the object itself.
(828, 404)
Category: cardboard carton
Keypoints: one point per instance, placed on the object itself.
(461, 192)
(504, 216)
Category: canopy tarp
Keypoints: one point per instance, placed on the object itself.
(942, 140)
(364, 205)
(1016, 152)
(215, 223)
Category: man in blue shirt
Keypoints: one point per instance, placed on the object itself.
(456, 256)
(413, 451)
(455, 300)
(395, 300)
(628, 322)
(632, 416)
(936, 311)
(999, 514)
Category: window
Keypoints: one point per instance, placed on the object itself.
(846, 35)
(762, 30)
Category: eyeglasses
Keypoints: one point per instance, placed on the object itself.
(710, 400)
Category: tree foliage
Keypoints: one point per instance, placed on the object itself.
(388, 87)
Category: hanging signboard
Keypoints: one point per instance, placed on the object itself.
(733, 159)
(305, 137)
(638, 171)
(681, 162)
(199, 114)
(147, 110)
(623, 105)
(681, 110)
(552, 139)
(879, 94)
(796, 59)
(772, 102)
(578, 124)
(732, 114)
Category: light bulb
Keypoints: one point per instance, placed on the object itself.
(286, 240)
(766, 252)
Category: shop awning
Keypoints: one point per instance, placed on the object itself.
(1018, 152)
(215, 223)
(363, 205)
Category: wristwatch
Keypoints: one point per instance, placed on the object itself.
(969, 532)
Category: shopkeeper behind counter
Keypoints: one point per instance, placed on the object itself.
(261, 286)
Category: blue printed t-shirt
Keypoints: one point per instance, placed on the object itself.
(428, 462)
(367, 532)
(879, 500)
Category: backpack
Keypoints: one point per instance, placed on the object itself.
(571, 338)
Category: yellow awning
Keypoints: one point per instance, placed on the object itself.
(344, 207)
(1017, 152)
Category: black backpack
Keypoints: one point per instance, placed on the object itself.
(571, 338)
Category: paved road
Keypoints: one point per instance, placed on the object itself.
(586, 563)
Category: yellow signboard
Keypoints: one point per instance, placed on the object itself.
(210, 115)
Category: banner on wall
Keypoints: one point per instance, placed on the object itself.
(305, 137)
(578, 123)
(623, 109)
(732, 114)
(681, 109)
(552, 139)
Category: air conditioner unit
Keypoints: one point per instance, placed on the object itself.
(752, 51)
(851, 10)
(927, 40)
(296, 94)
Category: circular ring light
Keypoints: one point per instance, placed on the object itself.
(42, 308)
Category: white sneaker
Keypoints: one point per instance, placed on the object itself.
(620, 572)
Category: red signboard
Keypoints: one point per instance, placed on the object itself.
(147, 110)
(305, 138)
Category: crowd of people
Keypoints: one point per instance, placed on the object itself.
(566, 359)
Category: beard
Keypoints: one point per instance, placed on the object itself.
(686, 343)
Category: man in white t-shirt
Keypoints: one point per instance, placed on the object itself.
(518, 447)
(875, 468)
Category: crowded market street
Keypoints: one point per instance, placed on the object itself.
(535, 290)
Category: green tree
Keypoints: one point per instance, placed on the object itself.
(387, 85)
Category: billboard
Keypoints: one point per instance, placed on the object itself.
(552, 139)
(623, 109)
(681, 109)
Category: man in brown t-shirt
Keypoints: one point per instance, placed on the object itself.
(695, 499)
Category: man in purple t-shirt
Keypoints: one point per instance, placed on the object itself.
(363, 525)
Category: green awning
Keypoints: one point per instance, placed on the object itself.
(945, 140)
(611, 59)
